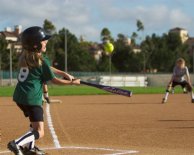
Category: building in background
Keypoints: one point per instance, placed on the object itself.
(190, 43)
(12, 37)
(185, 38)
(136, 49)
(183, 33)
(14, 46)
(96, 50)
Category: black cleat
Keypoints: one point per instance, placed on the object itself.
(34, 151)
(13, 147)
(192, 101)
(164, 100)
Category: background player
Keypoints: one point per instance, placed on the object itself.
(178, 78)
(34, 72)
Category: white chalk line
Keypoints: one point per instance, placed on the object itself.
(51, 128)
(118, 151)
(58, 146)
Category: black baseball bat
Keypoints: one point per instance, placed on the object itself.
(110, 89)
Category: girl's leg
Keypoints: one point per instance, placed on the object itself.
(16, 146)
(46, 95)
(169, 87)
(39, 126)
(29, 137)
(37, 132)
(31, 145)
(190, 89)
(35, 114)
(165, 97)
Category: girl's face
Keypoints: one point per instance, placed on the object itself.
(44, 43)
(180, 64)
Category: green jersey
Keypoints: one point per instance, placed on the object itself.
(30, 81)
(46, 59)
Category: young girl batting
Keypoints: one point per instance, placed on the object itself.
(178, 78)
(34, 72)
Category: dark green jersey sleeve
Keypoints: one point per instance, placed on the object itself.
(46, 59)
(47, 72)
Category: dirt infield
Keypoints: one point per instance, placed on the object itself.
(111, 125)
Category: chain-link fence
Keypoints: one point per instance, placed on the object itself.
(152, 79)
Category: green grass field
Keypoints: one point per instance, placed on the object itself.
(85, 90)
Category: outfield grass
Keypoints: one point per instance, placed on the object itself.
(85, 90)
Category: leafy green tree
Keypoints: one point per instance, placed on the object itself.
(162, 51)
(147, 49)
(122, 38)
(134, 36)
(177, 48)
(140, 26)
(124, 59)
(50, 28)
(3, 55)
(106, 35)
(3, 44)
(79, 58)
(103, 64)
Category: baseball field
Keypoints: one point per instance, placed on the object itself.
(92, 122)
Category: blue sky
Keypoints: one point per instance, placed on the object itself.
(88, 17)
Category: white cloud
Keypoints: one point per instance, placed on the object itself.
(155, 18)
(74, 15)
(177, 17)
(87, 17)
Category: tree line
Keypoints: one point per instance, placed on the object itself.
(156, 52)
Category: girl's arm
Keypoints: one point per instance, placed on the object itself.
(189, 79)
(188, 76)
(62, 73)
(65, 82)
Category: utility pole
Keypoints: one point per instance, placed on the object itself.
(65, 47)
(193, 56)
(10, 63)
(1, 78)
(11, 48)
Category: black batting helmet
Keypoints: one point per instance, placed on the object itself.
(32, 37)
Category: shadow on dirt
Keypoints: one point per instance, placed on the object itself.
(176, 120)
(130, 103)
(190, 127)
